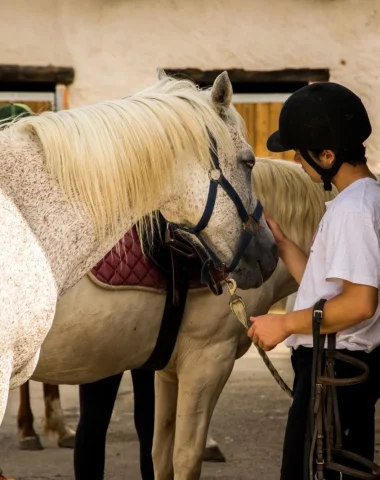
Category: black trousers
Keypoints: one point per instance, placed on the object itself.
(96, 405)
(356, 407)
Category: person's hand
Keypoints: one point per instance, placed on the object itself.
(278, 234)
(268, 331)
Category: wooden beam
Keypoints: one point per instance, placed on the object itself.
(16, 74)
(245, 76)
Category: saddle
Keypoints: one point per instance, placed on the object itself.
(166, 268)
(127, 267)
(324, 449)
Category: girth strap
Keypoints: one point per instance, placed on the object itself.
(177, 289)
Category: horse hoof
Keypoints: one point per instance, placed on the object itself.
(67, 442)
(213, 454)
(30, 443)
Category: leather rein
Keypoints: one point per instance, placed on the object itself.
(326, 451)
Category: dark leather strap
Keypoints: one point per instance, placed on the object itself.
(324, 442)
(177, 289)
(172, 258)
(311, 432)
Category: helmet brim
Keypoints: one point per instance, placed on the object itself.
(274, 143)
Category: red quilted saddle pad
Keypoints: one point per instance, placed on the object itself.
(125, 265)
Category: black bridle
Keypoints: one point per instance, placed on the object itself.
(250, 224)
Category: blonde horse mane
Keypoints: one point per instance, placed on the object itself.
(298, 203)
(119, 157)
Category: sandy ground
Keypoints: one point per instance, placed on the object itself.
(248, 423)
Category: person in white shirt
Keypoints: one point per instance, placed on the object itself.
(326, 124)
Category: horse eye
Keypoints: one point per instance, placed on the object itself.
(248, 158)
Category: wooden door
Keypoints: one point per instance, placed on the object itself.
(261, 119)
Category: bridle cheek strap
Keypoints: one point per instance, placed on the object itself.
(250, 222)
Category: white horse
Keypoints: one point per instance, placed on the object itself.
(73, 182)
(101, 332)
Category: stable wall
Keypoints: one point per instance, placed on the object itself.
(115, 46)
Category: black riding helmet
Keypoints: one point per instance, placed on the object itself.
(322, 116)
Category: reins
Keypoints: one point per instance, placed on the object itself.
(238, 308)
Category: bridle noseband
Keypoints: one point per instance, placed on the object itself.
(250, 224)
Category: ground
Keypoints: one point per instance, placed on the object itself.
(248, 423)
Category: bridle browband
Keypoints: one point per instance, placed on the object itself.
(250, 224)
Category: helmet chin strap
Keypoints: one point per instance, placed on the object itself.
(327, 174)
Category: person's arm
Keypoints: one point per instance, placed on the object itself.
(293, 257)
(290, 253)
(355, 304)
(353, 258)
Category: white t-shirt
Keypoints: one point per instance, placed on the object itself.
(346, 246)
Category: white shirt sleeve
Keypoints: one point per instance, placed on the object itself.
(353, 249)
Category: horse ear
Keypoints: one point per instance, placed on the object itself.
(161, 74)
(221, 93)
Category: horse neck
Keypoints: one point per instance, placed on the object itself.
(279, 285)
(69, 240)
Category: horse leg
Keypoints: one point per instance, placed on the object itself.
(164, 427)
(202, 376)
(143, 390)
(96, 405)
(28, 438)
(54, 418)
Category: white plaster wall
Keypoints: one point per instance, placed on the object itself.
(115, 46)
